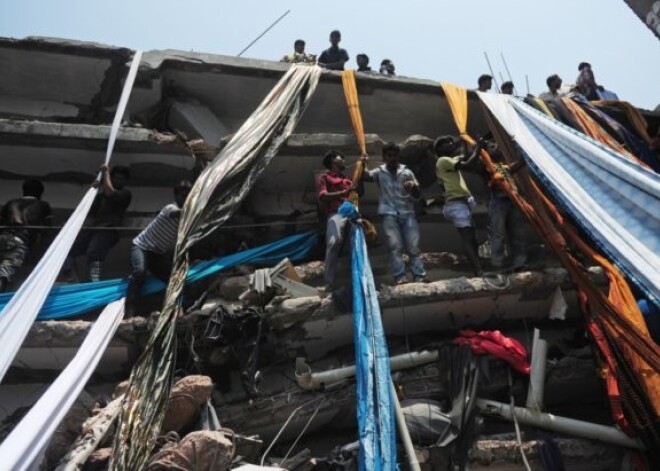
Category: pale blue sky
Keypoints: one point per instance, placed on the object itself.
(434, 39)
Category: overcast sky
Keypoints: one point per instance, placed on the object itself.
(434, 39)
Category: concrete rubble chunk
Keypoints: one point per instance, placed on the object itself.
(69, 429)
(186, 399)
(199, 451)
(98, 460)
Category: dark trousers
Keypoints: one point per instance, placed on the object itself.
(95, 245)
(142, 263)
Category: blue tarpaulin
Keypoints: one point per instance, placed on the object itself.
(375, 408)
(75, 299)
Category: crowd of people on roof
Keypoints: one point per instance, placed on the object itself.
(335, 57)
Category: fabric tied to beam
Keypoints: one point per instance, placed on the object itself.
(20, 312)
(76, 299)
(216, 195)
(26, 442)
(614, 199)
(375, 407)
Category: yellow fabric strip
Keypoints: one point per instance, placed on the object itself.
(350, 92)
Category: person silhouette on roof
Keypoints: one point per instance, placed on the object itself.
(485, 83)
(299, 54)
(334, 57)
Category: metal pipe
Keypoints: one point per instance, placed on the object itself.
(308, 380)
(413, 464)
(537, 375)
(555, 423)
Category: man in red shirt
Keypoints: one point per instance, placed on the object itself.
(333, 188)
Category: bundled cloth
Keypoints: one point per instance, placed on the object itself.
(492, 342)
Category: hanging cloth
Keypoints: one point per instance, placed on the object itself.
(72, 300)
(591, 128)
(216, 195)
(631, 360)
(635, 118)
(21, 311)
(352, 102)
(32, 434)
(375, 407)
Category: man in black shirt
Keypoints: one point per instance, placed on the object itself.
(334, 57)
(363, 63)
(15, 241)
(107, 211)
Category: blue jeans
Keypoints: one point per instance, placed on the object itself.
(399, 230)
(506, 225)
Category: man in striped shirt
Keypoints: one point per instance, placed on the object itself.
(153, 248)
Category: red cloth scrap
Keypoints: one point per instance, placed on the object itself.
(492, 342)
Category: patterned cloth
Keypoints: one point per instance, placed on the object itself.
(616, 201)
(160, 235)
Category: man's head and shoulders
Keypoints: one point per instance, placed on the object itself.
(181, 191)
(299, 54)
(507, 88)
(334, 57)
(363, 63)
(447, 149)
(553, 83)
(28, 209)
(387, 68)
(484, 83)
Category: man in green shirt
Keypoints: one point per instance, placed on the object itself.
(459, 202)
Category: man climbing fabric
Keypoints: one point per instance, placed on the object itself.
(334, 57)
(333, 188)
(506, 222)
(15, 241)
(299, 54)
(153, 248)
(398, 189)
(459, 202)
(107, 212)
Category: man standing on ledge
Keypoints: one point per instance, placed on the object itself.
(333, 188)
(398, 189)
(334, 57)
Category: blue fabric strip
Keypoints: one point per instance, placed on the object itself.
(375, 409)
(75, 299)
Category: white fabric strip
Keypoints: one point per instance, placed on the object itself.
(632, 244)
(23, 308)
(24, 444)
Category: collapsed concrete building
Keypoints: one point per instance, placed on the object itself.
(57, 98)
